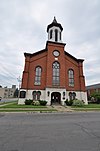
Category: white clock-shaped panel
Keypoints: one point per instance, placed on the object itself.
(56, 53)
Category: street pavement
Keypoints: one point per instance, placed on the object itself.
(8, 100)
(71, 131)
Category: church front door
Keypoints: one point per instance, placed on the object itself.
(55, 98)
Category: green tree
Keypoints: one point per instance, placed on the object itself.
(16, 93)
(96, 96)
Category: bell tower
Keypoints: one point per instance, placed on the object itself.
(54, 31)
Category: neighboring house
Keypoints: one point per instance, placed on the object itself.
(92, 88)
(52, 74)
(7, 92)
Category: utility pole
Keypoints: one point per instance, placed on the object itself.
(19, 84)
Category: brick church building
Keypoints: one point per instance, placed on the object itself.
(52, 74)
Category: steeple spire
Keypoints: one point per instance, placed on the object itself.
(54, 20)
(55, 31)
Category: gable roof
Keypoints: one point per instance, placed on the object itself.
(44, 50)
(34, 54)
(69, 55)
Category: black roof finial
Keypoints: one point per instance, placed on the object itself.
(54, 21)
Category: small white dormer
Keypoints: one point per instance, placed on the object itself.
(54, 31)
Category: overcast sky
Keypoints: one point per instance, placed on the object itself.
(23, 25)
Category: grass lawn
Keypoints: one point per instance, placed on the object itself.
(2, 103)
(15, 105)
(89, 107)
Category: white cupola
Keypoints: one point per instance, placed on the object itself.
(54, 31)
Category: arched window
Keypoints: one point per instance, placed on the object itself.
(22, 94)
(72, 96)
(56, 35)
(71, 77)
(36, 95)
(38, 76)
(51, 34)
(56, 73)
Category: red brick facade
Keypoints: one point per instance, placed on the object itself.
(45, 59)
(59, 74)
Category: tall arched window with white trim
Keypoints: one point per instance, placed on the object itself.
(71, 77)
(56, 73)
(38, 71)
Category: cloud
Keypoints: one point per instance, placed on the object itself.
(23, 29)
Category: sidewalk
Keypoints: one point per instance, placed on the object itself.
(60, 108)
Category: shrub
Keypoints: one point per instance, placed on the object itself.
(77, 103)
(43, 102)
(69, 103)
(28, 102)
(36, 103)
